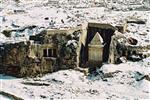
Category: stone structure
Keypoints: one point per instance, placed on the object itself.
(122, 48)
(86, 46)
(95, 52)
(99, 35)
(95, 49)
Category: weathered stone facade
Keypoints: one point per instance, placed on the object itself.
(123, 48)
(12, 57)
(86, 46)
(47, 52)
(95, 30)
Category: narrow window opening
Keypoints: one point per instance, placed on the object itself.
(45, 53)
(49, 52)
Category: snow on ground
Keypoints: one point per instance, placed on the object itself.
(15, 16)
(71, 84)
(2, 38)
(4, 97)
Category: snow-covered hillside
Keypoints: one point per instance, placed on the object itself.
(128, 80)
(124, 81)
(28, 18)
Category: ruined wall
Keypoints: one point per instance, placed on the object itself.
(28, 59)
(120, 47)
(12, 57)
(67, 45)
(15, 60)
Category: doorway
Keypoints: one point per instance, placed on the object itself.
(105, 31)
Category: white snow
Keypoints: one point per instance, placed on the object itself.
(35, 13)
(2, 38)
(4, 97)
(71, 84)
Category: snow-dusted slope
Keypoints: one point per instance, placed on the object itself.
(44, 15)
(71, 84)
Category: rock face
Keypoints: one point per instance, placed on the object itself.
(122, 47)
(48, 53)
(54, 50)
(12, 57)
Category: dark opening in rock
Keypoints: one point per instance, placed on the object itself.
(132, 41)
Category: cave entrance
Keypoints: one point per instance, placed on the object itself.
(100, 48)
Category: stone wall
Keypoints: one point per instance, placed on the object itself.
(120, 48)
(26, 59)
(12, 57)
